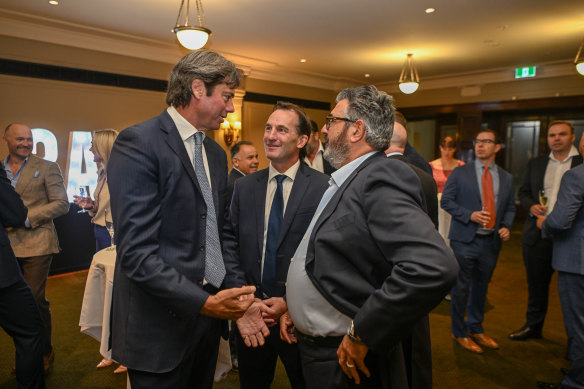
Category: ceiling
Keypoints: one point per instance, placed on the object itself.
(341, 40)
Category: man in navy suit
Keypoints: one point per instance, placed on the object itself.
(19, 314)
(168, 185)
(566, 224)
(286, 133)
(543, 174)
(479, 196)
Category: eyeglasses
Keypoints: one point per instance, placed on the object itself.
(330, 119)
(483, 141)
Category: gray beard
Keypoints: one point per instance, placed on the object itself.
(337, 151)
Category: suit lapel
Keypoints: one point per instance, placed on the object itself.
(473, 179)
(260, 191)
(299, 187)
(26, 174)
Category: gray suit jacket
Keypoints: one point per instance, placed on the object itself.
(41, 188)
(566, 223)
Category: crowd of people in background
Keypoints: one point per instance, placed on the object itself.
(330, 259)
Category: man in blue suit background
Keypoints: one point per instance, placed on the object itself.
(566, 224)
(479, 196)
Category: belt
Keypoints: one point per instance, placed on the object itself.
(484, 236)
(328, 341)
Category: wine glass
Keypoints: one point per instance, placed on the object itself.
(83, 192)
(543, 198)
(484, 226)
(110, 228)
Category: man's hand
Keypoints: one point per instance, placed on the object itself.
(537, 210)
(352, 356)
(481, 217)
(251, 326)
(540, 220)
(230, 303)
(274, 308)
(287, 329)
(504, 233)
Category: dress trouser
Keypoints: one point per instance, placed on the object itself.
(197, 368)
(257, 365)
(538, 268)
(35, 271)
(20, 318)
(571, 290)
(477, 260)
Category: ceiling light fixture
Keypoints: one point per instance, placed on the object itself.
(430, 10)
(191, 37)
(579, 60)
(409, 79)
(53, 2)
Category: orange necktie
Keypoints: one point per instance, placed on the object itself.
(488, 197)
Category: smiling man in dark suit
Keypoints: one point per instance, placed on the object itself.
(264, 254)
(168, 184)
(19, 313)
(479, 196)
(543, 174)
(361, 278)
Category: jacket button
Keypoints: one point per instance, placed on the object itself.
(203, 216)
(202, 248)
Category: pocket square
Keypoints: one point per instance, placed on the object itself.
(36, 174)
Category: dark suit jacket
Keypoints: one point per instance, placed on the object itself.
(375, 255)
(461, 197)
(234, 174)
(327, 167)
(12, 214)
(159, 218)
(566, 223)
(415, 158)
(529, 194)
(247, 217)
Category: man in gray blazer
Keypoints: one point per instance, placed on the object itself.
(371, 263)
(168, 185)
(566, 225)
(40, 185)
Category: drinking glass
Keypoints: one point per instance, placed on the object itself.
(110, 228)
(543, 198)
(84, 193)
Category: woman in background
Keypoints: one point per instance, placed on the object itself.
(99, 208)
(441, 169)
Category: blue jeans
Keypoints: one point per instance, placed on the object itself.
(477, 261)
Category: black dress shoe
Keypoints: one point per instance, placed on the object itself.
(547, 385)
(525, 333)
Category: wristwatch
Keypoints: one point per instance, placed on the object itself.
(354, 337)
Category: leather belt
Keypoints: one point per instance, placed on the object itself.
(328, 341)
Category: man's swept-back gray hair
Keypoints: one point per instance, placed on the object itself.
(208, 66)
(375, 108)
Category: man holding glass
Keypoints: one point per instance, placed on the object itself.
(537, 195)
(479, 196)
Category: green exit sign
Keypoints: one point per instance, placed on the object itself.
(528, 71)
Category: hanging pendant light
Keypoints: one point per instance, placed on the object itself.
(579, 60)
(409, 79)
(191, 37)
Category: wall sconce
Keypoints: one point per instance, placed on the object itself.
(231, 132)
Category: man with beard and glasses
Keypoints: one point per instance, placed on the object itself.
(362, 275)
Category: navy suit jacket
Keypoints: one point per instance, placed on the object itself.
(159, 218)
(12, 214)
(529, 194)
(247, 218)
(461, 197)
(566, 223)
(233, 176)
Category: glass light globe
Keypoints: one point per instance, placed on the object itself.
(580, 68)
(408, 87)
(193, 38)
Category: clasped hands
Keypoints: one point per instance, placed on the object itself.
(252, 316)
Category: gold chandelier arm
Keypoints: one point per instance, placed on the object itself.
(579, 52)
(182, 3)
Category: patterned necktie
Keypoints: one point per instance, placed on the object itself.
(274, 227)
(214, 266)
(488, 197)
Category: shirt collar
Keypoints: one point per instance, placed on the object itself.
(481, 165)
(344, 172)
(395, 153)
(573, 152)
(290, 173)
(185, 129)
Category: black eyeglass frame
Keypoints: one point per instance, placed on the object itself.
(330, 118)
(487, 141)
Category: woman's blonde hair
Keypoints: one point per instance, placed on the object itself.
(103, 141)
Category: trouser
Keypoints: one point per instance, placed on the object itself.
(538, 268)
(571, 290)
(477, 260)
(35, 271)
(257, 365)
(20, 318)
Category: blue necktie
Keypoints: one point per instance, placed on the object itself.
(274, 227)
(214, 266)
